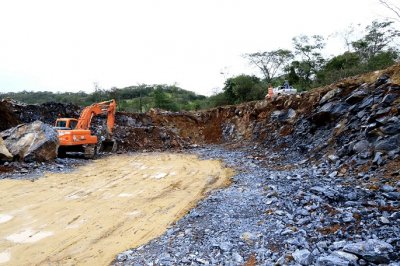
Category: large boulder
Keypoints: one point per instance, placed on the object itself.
(36, 141)
(372, 250)
(5, 155)
(303, 257)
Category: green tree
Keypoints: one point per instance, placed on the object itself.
(379, 38)
(163, 101)
(243, 88)
(308, 51)
(338, 67)
(270, 63)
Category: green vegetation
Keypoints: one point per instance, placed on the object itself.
(139, 98)
(304, 68)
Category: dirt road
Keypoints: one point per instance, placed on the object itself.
(100, 209)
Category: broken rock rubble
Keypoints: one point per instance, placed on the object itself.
(281, 217)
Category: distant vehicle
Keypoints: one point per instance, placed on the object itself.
(284, 90)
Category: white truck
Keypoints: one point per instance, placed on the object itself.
(284, 90)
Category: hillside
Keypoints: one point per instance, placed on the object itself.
(138, 98)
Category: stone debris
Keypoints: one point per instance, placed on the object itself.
(310, 220)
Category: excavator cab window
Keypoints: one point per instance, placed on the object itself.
(72, 124)
(61, 124)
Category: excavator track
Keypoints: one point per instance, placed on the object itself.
(90, 151)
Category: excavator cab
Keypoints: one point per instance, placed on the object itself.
(66, 123)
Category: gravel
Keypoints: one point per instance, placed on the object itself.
(301, 216)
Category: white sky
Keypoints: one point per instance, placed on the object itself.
(68, 45)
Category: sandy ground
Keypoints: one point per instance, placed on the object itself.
(88, 216)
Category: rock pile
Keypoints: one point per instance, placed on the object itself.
(301, 216)
(13, 113)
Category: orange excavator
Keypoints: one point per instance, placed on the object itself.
(75, 135)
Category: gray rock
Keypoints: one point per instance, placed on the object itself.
(361, 146)
(384, 220)
(388, 144)
(329, 95)
(369, 101)
(333, 157)
(348, 217)
(387, 188)
(383, 111)
(389, 98)
(378, 158)
(338, 244)
(283, 115)
(392, 195)
(356, 97)
(325, 191)
(352, 196)
(346, 256)
(391, 129)
(303, 257)
(225, 246)
(333, 174)
(236, 256)
(385, 78)
(331, 260)
(372, 250)
(322, 245)
(32, 142)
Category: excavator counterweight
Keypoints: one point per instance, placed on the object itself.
(75, 135)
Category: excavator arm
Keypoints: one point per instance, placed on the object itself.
(107, 107)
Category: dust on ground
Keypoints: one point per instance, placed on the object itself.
(102, 208)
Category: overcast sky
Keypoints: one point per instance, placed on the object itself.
(68, 45)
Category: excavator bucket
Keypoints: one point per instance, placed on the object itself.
(108, 146)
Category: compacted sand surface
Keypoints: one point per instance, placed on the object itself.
(102, 208)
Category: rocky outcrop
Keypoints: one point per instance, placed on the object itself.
(36, 141)
(350, 123)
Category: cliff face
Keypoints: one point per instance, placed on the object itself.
(351, 123)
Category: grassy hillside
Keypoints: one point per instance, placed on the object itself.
(134, 98)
